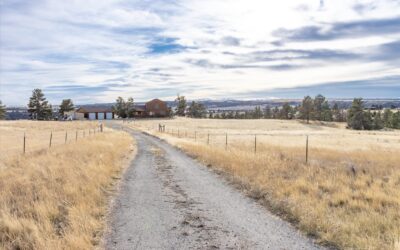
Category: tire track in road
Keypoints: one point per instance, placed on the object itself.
(169, 201)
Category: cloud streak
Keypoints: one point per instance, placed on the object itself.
(341, 30)
(96, 50)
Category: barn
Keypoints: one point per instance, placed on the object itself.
(95, 113)
(156, 108)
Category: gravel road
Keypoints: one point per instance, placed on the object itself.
(167, 200)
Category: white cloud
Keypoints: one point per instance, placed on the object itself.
(48, 43)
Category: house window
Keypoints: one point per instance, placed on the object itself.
(156, 106)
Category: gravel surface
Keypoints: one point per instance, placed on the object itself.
(168, 200)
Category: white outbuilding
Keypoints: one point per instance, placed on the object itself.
(95, 113)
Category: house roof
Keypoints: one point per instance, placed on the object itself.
(140, 108)
(94, 109)
(154, 100)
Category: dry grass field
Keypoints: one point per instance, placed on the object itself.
(57, 198)
(347, 196)
(37, 134)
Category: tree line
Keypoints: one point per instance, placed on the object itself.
(194, 110)
(40, 109)
(360, 119)
(314, 109)
(310, 109)
(124, 109)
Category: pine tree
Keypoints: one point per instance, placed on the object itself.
(326, 113)
(257, 114)
(307, 108)
(396, 120)
(387, 118)
(368, 123)
(120, 107)
(356, 114)
(378, 123)
(130, 107)
(66, 106)
(38, 106)
(197, 110)
(285, 111)
(181, 105)
(318, 107)
(237, 115)
(275, 113)
(2, 111)
(267, 113)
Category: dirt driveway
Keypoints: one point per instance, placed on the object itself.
(169, 201)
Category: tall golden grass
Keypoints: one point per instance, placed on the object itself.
(57, 198)
(37, 134)
(347, 196)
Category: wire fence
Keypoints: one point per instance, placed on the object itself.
(254, 142)
(257, 143)
(25, 142)
(296, 145)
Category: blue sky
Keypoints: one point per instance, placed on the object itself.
(96, 50)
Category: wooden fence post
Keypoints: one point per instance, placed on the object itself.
(66, 136)
(24, 142)
(255, 144)
(195, 135)
(307, 150)
(76, 136)
(208, 139)
(51, 138)
(226, 141)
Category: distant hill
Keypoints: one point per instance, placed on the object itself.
(15, 113)
(251, 104)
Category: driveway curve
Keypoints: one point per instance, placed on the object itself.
(167, 200)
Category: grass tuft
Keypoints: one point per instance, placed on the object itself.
(58, 198)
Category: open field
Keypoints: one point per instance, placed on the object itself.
(347, 196)
(38, 133)
(57, 198)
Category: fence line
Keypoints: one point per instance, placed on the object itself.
(40, 140)
(196, 136)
